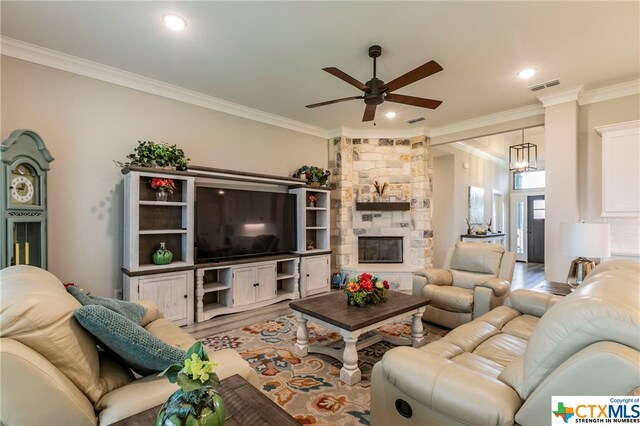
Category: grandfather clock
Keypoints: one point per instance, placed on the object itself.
(25, 163)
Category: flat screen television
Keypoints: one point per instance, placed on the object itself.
(233, 223)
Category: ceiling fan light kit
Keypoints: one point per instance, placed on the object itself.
(376, 91)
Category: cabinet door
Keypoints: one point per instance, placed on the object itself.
(315, 274)
(170, 292)
(267, 283)
(244, 288)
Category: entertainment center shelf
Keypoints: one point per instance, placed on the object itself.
(187, 291)
(232, 286)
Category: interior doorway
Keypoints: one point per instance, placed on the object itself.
(497, 211)
(535, 228)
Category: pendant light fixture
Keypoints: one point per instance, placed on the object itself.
(523, 157)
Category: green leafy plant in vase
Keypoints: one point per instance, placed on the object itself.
(152, 154)
(314, 175)
(196, 402)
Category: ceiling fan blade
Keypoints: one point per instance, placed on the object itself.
(346, 78)
(412, 76)
(335, 101)
(369, 113)
(412, 100)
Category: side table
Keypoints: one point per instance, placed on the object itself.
(243, 405)
(557, 288)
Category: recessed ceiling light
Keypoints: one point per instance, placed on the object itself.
(174, 22)
(527, 73)
(390, 114)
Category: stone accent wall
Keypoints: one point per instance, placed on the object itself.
(406, 166)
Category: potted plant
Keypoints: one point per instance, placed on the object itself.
(196, 402)
(162, 155)
(315, 176)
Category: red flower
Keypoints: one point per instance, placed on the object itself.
(163, 184)
(385, 284)
(367, 285)
(366, 277)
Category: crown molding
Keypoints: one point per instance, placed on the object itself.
(487, 120)
(57, 60)
(610, 92)
(478, 153)
(627, 125)
(53, 59)
(569, 95)
(377, 133)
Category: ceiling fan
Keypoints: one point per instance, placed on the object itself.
(377, 92)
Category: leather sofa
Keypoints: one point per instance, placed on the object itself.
(504, 367)
(474, 278)
(52, 371)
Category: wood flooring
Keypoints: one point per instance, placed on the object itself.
(525, 275)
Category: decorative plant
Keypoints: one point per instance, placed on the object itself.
(196, 402)
(313, 174)
(380, 188)
(312, 198)
(196, 372)
(366, 288)
(151, 154)
(468, 226)
(489, 225)
(161, 184)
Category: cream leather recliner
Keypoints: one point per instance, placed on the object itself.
(475, 278)
(51, 371)
(504, 367)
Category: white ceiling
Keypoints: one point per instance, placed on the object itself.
(269, 55)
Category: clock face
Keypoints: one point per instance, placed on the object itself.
(23, 185)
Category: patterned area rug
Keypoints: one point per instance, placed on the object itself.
(309, 388)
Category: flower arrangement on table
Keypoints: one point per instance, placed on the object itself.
(312, 174)
(366, 288)
(196, 402)
(164, 185)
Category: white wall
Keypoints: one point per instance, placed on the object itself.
(625, 231)
(443, 206)
(590, 148)
(87, 123)
(481, 173)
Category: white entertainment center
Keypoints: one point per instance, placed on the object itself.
(187, 290)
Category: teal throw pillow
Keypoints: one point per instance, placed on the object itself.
(141, 350)
(130, 310)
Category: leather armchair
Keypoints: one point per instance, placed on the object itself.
(52, 372)
(475, 278)
(504, 367)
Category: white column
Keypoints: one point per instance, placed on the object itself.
(561, 165)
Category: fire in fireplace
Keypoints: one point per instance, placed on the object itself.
(380, 250)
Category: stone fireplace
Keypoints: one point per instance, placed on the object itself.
(399, 223)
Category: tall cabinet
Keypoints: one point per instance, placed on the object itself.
(313, 239)
(148, 223)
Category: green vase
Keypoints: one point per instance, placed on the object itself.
(201, 407)
(162, 256)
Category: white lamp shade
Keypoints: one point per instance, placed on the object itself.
(586, 239)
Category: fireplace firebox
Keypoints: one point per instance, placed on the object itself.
(380, 250)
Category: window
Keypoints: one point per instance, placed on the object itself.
(529, 180)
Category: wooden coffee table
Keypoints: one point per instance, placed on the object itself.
(351, 322)
(243, 405)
